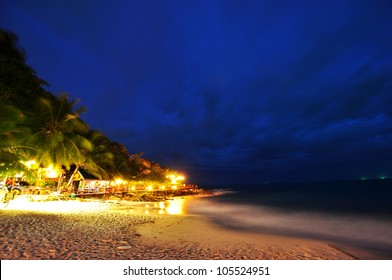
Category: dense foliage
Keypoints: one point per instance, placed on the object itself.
(35, 124)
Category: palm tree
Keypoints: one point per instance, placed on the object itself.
(57, 134)
(12, 134)
(100, 160)
(19, 84)
(121, 161)
(49, 129)
(19, 88)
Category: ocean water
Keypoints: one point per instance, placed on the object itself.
(354, 213)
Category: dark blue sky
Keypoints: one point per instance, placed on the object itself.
(225, 91)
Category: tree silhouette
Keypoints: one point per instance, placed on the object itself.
(19, 85)
(35, 124)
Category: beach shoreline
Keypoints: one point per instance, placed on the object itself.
(117, 230)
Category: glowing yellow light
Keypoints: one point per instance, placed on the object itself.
(161, 205)
(133, 188)
(180, 178)
(149, 188)
(175, 207)
(74, 206)
(119, 181)
(175, 178)
(50, 172)
(30, 163)
(174, 187)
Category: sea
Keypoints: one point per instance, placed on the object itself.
(356, 213)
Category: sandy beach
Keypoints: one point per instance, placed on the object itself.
(116, 230)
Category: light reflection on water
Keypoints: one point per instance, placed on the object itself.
(171, 207)
(175, 207)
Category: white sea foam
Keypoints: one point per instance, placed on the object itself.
(359, 230)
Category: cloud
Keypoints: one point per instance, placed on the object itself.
(229, 90)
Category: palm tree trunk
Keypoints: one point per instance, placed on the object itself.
(72, 176)
(59, 182)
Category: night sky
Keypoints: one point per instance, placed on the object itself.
(225, 91)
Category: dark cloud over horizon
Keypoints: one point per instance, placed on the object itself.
(227, 91)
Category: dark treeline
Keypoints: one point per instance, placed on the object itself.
(36, 124)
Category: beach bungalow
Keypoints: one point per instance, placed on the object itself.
(87, 184)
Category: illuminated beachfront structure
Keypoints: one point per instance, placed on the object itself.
(49, 181)
(85, 184)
